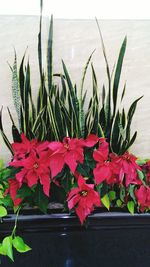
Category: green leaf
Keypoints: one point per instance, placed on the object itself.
(50, 55)
(130, 116)
(141, 176)
(3, 211)
(82, 170)
(74, 102)
(115, 134)
(119, 203)
(84, 73)
(131, 192)
(19, 245)
(24, 191)
(112, 195)
(130, 206)
(7, 247)
(40, 45)
(141, 162)
(2, 251)
(122, 193)
(15, 89)
(5, 139)
(40, 199)
(118, 74)
(106, 202)
(1, 164)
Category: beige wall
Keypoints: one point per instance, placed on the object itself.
(74, 40)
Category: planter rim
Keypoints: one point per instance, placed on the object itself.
(63, 222)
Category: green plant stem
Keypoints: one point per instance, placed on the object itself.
(16, 221)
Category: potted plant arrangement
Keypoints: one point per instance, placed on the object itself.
(78, 158)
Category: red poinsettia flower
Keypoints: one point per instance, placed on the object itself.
(143, 197)
(146, 168)
(101, 154)
(83, 199)
(24, 148)
(13, 188)
(34, 167)
(91, 140)
(69, 152)
(104, 170)
(126, 167)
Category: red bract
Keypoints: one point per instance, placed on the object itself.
(104, 170)
(13, 188)
(101, 154)
(69, 152)
(91, 140)
(83, 199)
(126, 167)
(143, 197)
(146, 167)
(34, 167)
(24, 148)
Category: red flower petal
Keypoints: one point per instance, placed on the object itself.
(91, 140)
(56, 164)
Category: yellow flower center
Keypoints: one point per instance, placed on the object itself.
(35, 166)
(84, 193)
(66, 146)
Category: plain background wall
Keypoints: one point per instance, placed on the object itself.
(74, 40)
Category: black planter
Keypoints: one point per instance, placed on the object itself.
(115, 239)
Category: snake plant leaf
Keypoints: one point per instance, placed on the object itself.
(42, 130)
(115, 134)
(130, 116)
(5, 139)
(22, 80)
(107, 110)
(27, 89)
(84, 73)
(82, 98)
(103, 95)
(50, 55)
(40, 43)
(95, 120)
(52, 120)
(123, 118)
(15, 89)
(59, 120)
(15, 131)
(74, 98)
(102, 118)
(36, 124)
(63, 94)
(100, 131)
(118, 74)
(108, 98)
(104, 52)
(123, 92)
(130, 142)
(73, 102)
(95, 86)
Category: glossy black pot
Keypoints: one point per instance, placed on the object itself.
(114, 239)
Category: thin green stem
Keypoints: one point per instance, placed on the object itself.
(16, 221)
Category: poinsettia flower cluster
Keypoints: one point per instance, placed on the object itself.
(43, 162)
